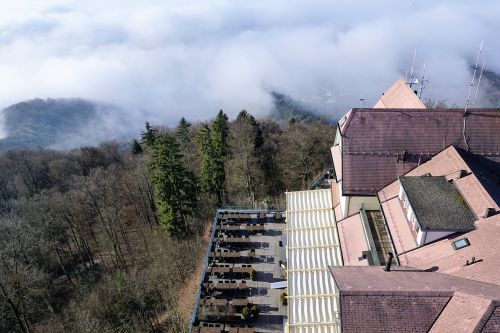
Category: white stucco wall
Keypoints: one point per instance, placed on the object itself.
(368, 203)
(433, 235)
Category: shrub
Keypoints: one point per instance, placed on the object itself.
(283, 299)
(254, 311)
(253, 275)
(246, 312)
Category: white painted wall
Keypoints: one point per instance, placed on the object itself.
(344, 202)
(420, 237)
(368, 203)
(433, 235)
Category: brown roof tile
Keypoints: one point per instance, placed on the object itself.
(463, 313)
(484, 247)
(352, 240)
(380, 145)
(401, 280)
(407, 299)
(399, 95)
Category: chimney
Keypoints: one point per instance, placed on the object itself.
(488, 212)
(388, 264)
(461, 174)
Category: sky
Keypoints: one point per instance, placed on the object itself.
(160, 60)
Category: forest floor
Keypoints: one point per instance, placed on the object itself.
(188, 294)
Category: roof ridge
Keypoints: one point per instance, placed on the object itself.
(424, 110)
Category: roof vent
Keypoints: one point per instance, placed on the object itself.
(402, 156)
(488, 212)
(461, 174)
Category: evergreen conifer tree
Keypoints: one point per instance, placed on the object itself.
(148, 136)
(175, 186)
(214, 149)
(135, 147)
(183, 130)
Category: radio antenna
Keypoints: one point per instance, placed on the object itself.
(412, 66)
(473, 76)
(423, 80)
(478, 82)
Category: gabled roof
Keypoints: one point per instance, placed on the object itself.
(379, 145)
(407, 299)
(437, 204)
(399, 95)
(404, 280)
(463, 313)
(484, 247)
(441, 255)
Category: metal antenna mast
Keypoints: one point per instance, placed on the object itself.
(478, 82)
(423, 80)
(473, 76)
(412, 66)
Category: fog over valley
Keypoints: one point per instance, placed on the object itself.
(157, 62)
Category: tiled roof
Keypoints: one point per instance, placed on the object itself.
(437, 204)
(352, 240)
(463, 313)
(406, 299)
(484, 244)
(379, 145)
(484, 247)
(401, 280)
(399, 95)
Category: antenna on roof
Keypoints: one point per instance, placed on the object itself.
(423, 80)
(478, 82)
(362, 100)
(473, 76)
(412, 66)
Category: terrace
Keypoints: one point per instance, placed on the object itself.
(244, 257)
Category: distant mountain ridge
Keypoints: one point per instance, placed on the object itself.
(40, 122)
(63, 123)
(286, 109)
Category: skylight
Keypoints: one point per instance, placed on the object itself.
(461, 243)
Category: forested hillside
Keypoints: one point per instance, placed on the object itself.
(101, 239)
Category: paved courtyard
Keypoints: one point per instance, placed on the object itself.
(243, 244)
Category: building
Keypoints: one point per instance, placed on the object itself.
(420, 184)
(444, 223)
(409, 300)
(440, 198)
(399, 96)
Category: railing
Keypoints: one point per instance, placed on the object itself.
(369, 236)
(205, 264)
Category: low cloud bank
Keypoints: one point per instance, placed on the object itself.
(190, 58)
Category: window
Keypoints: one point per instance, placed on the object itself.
(461, 243)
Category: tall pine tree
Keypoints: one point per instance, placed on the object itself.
(148, 136)
(183, 130)
(175, 186)
(214, 149)
(135, 147)
(219, 134)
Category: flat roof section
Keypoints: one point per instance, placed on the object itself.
(437, 204)
(313, 246)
